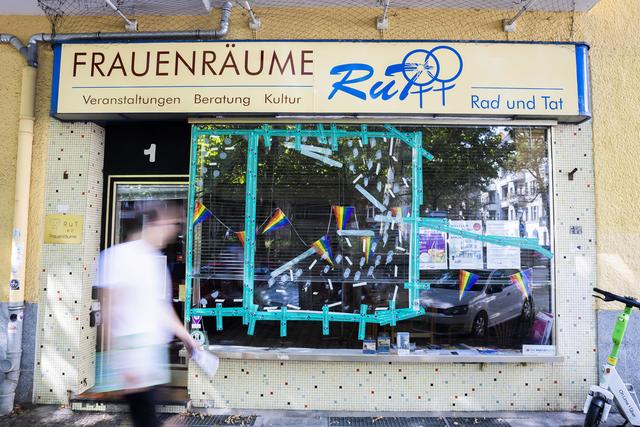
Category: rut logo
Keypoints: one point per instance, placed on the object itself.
(420, 73)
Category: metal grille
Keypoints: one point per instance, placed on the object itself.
(477, 422)
(387, 422)
(208, 420)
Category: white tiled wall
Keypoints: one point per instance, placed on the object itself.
(65, 343)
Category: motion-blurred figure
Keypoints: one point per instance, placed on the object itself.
(138, 318)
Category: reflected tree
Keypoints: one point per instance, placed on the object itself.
(466, 160)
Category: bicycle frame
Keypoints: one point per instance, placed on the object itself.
(611, 384)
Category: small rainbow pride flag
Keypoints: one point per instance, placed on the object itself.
(522, 280)
(323, 248)
(240, 236)
(277, 220)
(200, 213)
(399, 213)
(343, 215)
(467, 280)
(368, 246)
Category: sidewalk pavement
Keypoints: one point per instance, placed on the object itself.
(47, 415)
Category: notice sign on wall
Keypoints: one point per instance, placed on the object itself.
(322, 77)
(63, 229)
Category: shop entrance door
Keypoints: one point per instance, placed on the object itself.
(125, 196)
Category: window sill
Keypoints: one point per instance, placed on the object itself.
(352, 355)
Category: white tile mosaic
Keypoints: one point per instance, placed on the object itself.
(65, 343)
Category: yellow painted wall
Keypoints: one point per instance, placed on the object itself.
(613, 34)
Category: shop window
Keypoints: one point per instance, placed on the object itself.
(333, 237)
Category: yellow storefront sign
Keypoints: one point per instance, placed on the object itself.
(65, 229)
(315, 77)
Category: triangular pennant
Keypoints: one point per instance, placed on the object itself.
(323, 248)
(200, 213)
(467, 280)
(343, 215)
(277, 220)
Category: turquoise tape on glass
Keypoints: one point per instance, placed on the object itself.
(249, 311)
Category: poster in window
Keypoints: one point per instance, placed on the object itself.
(465, 253)
(502, 256)
(433, 250)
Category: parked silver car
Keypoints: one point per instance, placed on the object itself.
(492, 300)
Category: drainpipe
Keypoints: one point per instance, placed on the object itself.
(11, 365)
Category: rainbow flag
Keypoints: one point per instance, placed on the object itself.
(277, 220)
(343, 215)
(200, 213)
(368, 246)
(400, 212)
(467, 280)
(240, 236)
(323, 248)
(522, 280)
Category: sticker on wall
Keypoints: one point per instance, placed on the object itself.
(199, 337)
(196, 322)
(14, 285)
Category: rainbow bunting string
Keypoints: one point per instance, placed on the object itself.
(368, 246)
(322, 247)
(399, 213)
(467, 280)
(240, 236)
(200, 213)
(277, 220)
(343, 215)
(522, 280)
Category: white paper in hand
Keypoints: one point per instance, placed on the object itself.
(208, 362)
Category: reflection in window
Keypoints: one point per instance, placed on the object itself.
(485, 180)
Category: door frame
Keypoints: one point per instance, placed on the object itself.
(112, 182)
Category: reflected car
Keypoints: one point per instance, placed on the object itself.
(492, 300)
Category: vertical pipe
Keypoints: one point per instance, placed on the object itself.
(19, 241)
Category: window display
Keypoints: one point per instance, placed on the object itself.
(326, 235)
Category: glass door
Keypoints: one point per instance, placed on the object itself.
(126, 196)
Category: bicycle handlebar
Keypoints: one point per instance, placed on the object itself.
(608, 297)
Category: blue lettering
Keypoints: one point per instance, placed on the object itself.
(343, 85)
(386, 95)
(415, 75)
(391, 71)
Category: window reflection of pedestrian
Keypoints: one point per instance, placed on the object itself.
(522, 227)
(139, 319)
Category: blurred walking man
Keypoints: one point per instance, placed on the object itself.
(138, 318)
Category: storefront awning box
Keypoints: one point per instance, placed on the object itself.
(268, 78)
